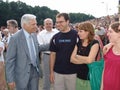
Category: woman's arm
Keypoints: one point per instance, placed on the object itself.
(78, 59)
(73, 56)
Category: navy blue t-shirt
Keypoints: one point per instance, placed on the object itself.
(63, 44)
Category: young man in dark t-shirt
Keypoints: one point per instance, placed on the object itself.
(62, 72)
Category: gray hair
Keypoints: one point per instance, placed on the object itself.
(26, 18)
(48, 19)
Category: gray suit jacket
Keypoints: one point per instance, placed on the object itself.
(18, 61)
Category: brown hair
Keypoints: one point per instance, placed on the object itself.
(65, 15)
(115, 26)
(13, 23)
(88, 27)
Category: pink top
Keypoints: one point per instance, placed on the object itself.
(111, 78)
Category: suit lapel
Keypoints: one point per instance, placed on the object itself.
(23, 42)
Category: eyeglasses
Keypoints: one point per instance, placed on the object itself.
(59, 22)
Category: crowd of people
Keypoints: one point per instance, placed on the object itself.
(58, 53)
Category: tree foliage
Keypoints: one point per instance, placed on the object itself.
(79, 17)
(14, 10)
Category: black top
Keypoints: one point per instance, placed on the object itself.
(83, 69)
(63, 44)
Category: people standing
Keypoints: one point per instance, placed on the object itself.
(85, 52)
(111, 72)
(22, 59)
(62, 72)
(44, 37)
(3, 85)
(12, 26)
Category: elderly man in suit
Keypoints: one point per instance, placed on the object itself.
(22, 59)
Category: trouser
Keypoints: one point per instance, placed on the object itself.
(46, 71)
(33, 80)
(82, 84)
(64, 81)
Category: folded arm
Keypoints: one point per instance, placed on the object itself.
(79, 59)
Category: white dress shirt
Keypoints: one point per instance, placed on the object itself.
(45, 36)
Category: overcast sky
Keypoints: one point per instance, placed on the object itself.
(96, 8)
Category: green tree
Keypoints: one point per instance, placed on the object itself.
(80, 17)
(43, 13)
(14, 10)
(4, 13)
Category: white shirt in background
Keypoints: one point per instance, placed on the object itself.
(45, 36)
(1, 54)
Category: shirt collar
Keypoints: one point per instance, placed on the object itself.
(26, 33)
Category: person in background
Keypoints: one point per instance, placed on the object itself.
(76, 26)
(5, 37)
(85, 52)
(96, 37)
(22, 59)
(101, 33)
(12, 26)
(40, 28)
(44, 37)
(111, 72)
(4, 40)
(1, 31)
(3, 85)
(62, 72)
